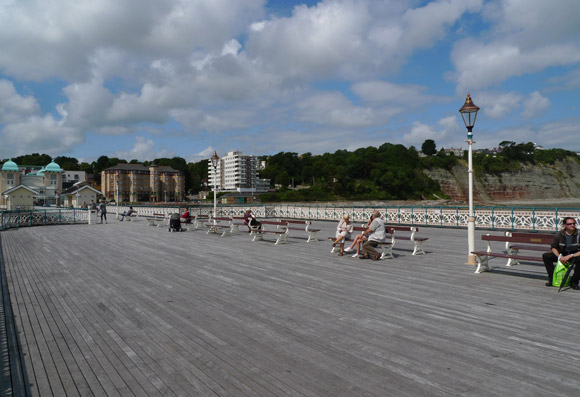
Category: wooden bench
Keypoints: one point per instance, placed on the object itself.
(199, 220)
(216, 227)
(311, 233)
(395, 234)
(281, 231)
(386, 247)
(155, 220)
(513, 246)
(236, 223)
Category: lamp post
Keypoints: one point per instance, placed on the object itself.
(78, 196)
(469, 114)
(117, 198)
(214, 162)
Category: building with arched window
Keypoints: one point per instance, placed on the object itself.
(136, 182)
(46, 182)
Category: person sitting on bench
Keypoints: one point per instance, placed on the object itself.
(186, 218)
(126, 213)
(377, 235)
(565, 249)
(251, 221)
(343, 231)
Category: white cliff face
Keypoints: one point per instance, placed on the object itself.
(554, 181)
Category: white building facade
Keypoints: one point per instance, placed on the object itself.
(237, 172)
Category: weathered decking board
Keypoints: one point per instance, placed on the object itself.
(122, 309)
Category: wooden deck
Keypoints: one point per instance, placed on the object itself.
(125, 309)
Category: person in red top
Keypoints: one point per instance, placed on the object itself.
(186, 217)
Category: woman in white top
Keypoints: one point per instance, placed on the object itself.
(343, 231)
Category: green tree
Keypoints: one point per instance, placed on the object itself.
(428, 147)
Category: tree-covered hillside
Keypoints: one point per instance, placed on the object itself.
(389, 172)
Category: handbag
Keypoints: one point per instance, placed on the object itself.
(559, 272)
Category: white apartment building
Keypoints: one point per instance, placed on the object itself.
(238, 172)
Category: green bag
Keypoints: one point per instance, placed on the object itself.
(559, 273)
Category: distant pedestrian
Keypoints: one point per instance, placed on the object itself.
(93, 206)
(103, 209)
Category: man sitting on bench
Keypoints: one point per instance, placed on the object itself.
(127, 213)
(565, 249)
(377, 235)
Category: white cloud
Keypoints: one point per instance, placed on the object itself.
(497, 105)
(333, 109)
(526, 36)
(203, 155)
(383, 91)
(60, 38)
(535, 105)
(143, 150)
(549, 135)
(228, 74)
(39, 134)
(481, 65)
(446, 135)
(13, 106)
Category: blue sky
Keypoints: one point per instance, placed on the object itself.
(140, 80)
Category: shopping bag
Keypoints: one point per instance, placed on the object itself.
(559, 272)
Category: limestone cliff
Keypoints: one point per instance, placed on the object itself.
(544, 181)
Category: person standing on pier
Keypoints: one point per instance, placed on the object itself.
(565, 248)
(103, 209)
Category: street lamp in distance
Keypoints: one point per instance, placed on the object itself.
(214, 162)
(469, 114)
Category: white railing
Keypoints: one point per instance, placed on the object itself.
(40, 217)
(502, 218)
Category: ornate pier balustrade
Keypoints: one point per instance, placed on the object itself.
(498, 218)
(40, 217)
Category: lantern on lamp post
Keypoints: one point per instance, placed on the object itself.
(469, 114)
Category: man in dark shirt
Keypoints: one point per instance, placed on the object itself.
(565, 249)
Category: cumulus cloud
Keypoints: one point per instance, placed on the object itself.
(35, 133)
(383, 91)
(202, 155)
(535, 105)
(445, 135)
(481, 65)
(13, 106)
(525, 37)
(143, 149)
(229, 74)
(497, 105)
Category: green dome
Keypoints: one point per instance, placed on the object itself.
(53, 167)
(10, 166)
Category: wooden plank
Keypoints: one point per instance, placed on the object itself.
(146, 312)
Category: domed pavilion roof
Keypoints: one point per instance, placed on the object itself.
(10, 166)
(53, 167)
